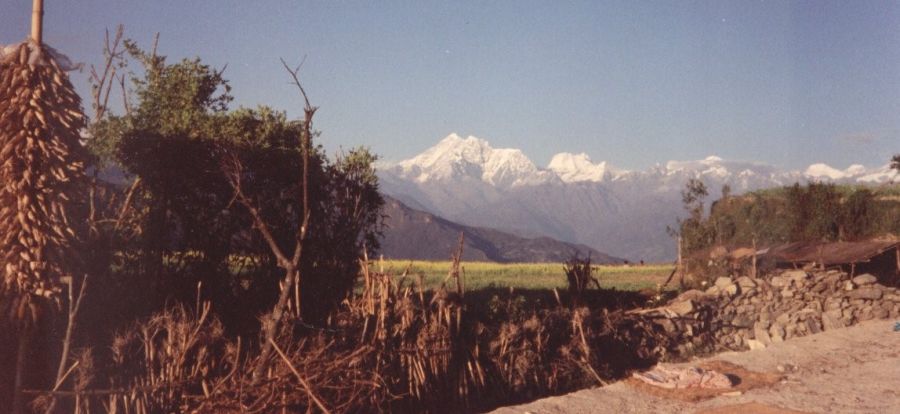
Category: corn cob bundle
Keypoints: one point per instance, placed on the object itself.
(41, 167)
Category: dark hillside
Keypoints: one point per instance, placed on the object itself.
(414, 234)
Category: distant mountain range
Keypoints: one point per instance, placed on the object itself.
(414, 234)
(623, 213)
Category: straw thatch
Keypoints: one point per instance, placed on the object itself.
(40, 168)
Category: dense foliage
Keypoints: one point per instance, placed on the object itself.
(174, 137)
(811, 212)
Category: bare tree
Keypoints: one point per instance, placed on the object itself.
(102, 81)
(290, 263)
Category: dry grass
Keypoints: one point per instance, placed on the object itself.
(396, 346)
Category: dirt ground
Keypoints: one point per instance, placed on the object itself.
(849, 370)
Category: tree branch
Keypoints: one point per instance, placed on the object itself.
(233, 169)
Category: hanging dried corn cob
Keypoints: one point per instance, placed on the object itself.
(41, 166)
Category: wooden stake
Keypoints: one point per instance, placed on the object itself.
(755, 274)
(897, 270)
(18, 406)
(37, 21)
(680, 262)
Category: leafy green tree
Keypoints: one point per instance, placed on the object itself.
(856, 217)
(695, 233)
(815, 211)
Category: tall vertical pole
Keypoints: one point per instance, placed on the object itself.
(680, 264)
(897, 271)
(37, 21)
(754, 270)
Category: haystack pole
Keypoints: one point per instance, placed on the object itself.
(41, 173)
(37, 21)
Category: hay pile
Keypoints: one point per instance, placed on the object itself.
(41, 165)
(393, 347)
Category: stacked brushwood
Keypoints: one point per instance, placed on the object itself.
(41, 168)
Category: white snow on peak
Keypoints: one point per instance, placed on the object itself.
(510, 167)
(457, 157)
(452, 148)
(579, 167)
(825, 171)
(821, 170)
(472, 159)
(855, 169)
(713, 166)
(883, 174)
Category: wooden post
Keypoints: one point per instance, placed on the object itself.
(680, 263)
(897, 270)
(820, 249)
(753, 259)
(18, 405)
(37, 21)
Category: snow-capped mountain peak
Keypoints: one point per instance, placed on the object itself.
(473, 159)
(578, 167)
(576, 199)
(455, 157)
(452, 148)
(820, 171)
(714, 166)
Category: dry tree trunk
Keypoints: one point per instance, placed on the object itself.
(291, 265)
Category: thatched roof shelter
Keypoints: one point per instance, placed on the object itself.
(878, 257)
(830, 253)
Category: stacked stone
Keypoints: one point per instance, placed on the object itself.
(751, 313)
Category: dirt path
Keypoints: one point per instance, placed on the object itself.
(849, 370)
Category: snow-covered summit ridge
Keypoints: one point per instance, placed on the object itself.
(469, 159)
(579, 167)
(822, 170)
(455, 157)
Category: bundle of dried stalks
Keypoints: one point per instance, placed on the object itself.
(41, 166)
(578, 274)
(160, 364)
(392, 347)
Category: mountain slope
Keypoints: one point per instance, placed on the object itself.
(414, 234)
(624, 213)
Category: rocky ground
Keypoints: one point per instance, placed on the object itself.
(841, 370)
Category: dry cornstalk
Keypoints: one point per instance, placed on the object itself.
(41, 169)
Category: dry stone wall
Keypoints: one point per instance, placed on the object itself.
(746, 313)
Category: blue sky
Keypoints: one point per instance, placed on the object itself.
(634, 83)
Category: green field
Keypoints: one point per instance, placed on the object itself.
(478, 275)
